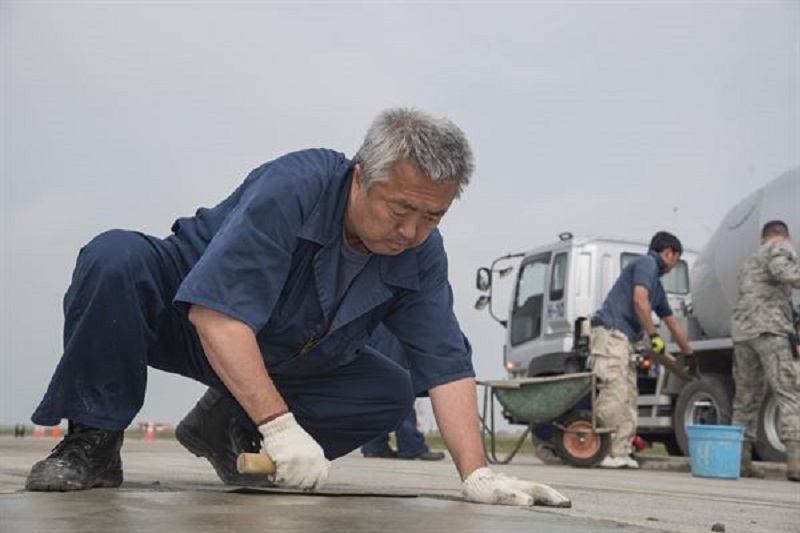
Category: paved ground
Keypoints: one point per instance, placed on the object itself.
(167, 489)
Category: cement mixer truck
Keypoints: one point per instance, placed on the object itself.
(558, 285)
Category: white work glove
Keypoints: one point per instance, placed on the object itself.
(484, 486)
(299, 460)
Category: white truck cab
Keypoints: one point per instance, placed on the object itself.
(559, 283)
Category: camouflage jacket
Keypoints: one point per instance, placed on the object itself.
(766, 281)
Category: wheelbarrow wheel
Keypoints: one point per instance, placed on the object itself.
(577, 444)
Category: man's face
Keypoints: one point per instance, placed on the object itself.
(671, 258)
(396, 214)
(768, 238)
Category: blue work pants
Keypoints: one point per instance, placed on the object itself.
(119, 319)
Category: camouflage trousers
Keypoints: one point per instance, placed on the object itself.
(615, 369)
(767, 356)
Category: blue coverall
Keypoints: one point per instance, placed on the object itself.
(267, 255)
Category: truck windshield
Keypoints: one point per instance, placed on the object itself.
(676, 282)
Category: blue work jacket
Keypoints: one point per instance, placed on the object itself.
(268, 256)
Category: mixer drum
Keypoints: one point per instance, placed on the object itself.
(715, 271)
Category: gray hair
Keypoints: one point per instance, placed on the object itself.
(435, 145)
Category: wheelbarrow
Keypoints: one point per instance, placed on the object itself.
(578, 440)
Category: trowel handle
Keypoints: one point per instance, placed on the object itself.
(254, 463)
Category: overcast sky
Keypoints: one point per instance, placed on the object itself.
(602, 118)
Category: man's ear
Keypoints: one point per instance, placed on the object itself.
(355, 183)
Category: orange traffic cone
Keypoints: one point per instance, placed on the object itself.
(150, 432)
(56, 432)
(38, 431)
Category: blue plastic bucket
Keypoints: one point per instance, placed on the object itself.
(715, 451)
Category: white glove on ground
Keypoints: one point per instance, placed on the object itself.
(299, 460)
(484, 486)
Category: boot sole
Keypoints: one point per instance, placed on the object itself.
(110, 479)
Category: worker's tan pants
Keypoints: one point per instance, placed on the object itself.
(616, 372)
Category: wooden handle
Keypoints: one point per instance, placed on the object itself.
(254, 463)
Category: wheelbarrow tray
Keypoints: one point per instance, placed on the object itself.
(541, 399)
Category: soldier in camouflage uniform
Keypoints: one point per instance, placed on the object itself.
(761, 327)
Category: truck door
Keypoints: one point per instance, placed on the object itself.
(528, 305)
(556, 313)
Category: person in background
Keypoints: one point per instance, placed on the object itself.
(410, 440)
(625, 316)
(766, 346)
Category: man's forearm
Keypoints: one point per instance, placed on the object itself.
(233, 353)
(455, 406)
(644, 314)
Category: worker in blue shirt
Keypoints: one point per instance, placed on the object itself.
(269, 298)
(410, 443)
(625, 315)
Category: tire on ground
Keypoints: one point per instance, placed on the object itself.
(768, 445)
(705, 401)
(581, 447)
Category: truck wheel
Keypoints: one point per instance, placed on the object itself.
(706, 401)
(579, 445)
(768, 444)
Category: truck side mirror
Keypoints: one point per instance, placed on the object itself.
(483, 279)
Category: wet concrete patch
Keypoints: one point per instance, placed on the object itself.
(205, 511)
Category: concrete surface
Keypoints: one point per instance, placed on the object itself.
(167, 489)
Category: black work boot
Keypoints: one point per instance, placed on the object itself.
(211, 430)
(86, 458)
